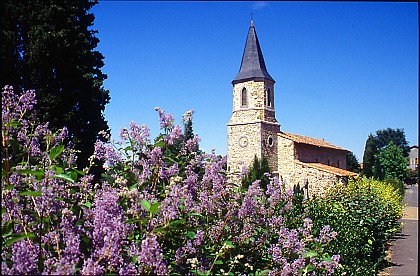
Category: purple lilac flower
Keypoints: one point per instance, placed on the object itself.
(24, 257)
(325, 235)
(167, 173)
(71, 253)
(191, 145)
(156, 155)
(251, 205)
(139, 134)
(60, 137)
(166, 120)
(187, 116)
(109, 230)
(14, 106)
(90, 267)
(199, 238)
(151, 255)
(170, 205)
(106, 152)
(129, 269)
(175, 135)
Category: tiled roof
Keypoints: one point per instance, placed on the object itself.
(253, 65)
(309, 141)
(329, 169)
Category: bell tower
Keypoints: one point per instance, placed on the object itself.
(253, 128)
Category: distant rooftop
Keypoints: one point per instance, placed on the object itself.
(252, 65)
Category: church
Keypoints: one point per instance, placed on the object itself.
(253, 130)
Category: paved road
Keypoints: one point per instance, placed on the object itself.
(406, 246)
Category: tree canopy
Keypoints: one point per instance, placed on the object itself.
(391, 163)
(396, 136)
(49, 46)
(375, 143)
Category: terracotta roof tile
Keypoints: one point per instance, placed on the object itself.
(329, 169)
(309, 141)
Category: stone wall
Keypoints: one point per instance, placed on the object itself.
(286, 157)
(294, 172)
(318, 181)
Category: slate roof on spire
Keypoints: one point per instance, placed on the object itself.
(253, 65)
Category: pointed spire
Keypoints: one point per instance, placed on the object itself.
(253, 65)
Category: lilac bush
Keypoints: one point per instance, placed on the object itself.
(163, 207)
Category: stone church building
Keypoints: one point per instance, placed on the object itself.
(254, 130)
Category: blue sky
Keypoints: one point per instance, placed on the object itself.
(343, 69)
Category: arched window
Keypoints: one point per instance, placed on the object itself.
(269, 102)
(244, 98)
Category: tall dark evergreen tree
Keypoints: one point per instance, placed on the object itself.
(352, 162)
(49, 46)
(369, 156)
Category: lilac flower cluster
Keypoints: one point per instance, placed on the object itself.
(164, 208)
(109, 231)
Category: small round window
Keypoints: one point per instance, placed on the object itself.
(270, 141)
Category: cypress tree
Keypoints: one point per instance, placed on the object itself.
(49, 46)
(369, 156)
(352, 162)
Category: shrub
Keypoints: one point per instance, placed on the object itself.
(365, 215)
(163, 207)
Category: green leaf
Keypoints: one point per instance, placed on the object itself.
(154, 207)
(308, 268)
(264, 272)
(218, 262)
(88, 204)
(63, 177)
(190, 234)
(310, 254)
(18, 237)
(175, 223)
(370, 241)
(56, 151)
(15, 144)
(3, 210)
(38, 173)
(9, 187)
(57, 169)
(229, 243)
(146, 204)
(7, 228)
(30, 193)
(15, 123)
(327, 258)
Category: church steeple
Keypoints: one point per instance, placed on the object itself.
(253, 65)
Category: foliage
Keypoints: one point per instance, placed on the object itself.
(49, 46)
(352, 162)
(157, 211)
(259, 170)
(390, 163)
(369, 156)
(376, 143)
(365, 214)
(397, 136)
